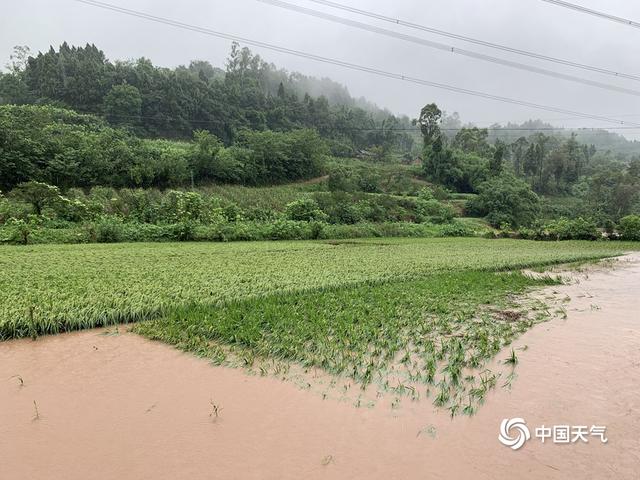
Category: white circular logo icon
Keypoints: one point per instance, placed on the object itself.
(514, 433)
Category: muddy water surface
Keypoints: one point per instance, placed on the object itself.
(121, 407)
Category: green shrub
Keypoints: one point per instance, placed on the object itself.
(13, 209)
(305, 210)
(629, 227)
(562, 229)
(505, 199)
(434, 211)
(182, 231)
(71, 210)
(576, 229)
(456, 229)
(17, 232)
(109, 230)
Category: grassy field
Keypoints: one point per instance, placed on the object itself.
(53, 288)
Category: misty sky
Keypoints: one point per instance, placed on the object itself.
(526, 24)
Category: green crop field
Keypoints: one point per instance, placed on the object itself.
(398, 313)
(53, 288)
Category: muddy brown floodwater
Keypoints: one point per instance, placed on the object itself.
(121, 407)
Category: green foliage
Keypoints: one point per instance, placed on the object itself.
(362, 331)
(178, 207)
(505, 200)
(52, 280)
(429, 209)
(630, 227)
(109, 230)
(122, 105)
(10, 208)
(277, 157)
(17, 231)
(172, 103)
(38, 194)
(563, 229)
(305, 210)
(66, 149)
(473, 140)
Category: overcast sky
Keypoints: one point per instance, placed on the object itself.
(531, 25)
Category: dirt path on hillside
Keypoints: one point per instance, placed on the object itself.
(121, 407)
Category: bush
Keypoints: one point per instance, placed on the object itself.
(434, 211)
(13, 209)
(578, 229)
(18, 232)
(289, 230)
(305, 210)
(505, 199)
(629, 227)
(183, 231)
(562, 229)
(71, 210)
(109, 230)
(456, 230)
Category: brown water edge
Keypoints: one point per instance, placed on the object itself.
(122, 407)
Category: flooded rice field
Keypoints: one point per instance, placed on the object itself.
(99, 405)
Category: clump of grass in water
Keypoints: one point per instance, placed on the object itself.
(37, 412)
(512, 359)
(19, 378)
(216, 409)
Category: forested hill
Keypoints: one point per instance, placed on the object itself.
(172, 103)
(601, 139)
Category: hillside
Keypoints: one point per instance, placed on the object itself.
(153, 101)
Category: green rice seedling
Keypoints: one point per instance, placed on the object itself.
(443, 395)
(37, 412)
(512, 359)
(509, 380)
(469, 408)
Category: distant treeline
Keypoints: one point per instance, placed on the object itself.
(509, 177)
(172, 103)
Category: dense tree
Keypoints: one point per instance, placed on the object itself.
(172, 103)
(38, 194)
(473, 140)
(67, 149)
(506, 200)
(123, 105)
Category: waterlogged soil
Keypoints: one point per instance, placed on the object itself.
(92, 405)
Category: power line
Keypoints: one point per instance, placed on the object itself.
(476, 41)
(352, 66)
(595, 13)
(394, 129)
(446, 48)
